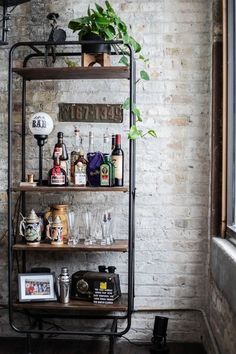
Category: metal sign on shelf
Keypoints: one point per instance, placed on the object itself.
(100, 113)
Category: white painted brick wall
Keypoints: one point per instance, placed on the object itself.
(172, 170)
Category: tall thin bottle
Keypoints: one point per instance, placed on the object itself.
(75, 154)
(91, 151)
(117, 158)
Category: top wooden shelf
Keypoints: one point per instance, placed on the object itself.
(97, 72)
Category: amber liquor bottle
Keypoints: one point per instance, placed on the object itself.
(57, 175)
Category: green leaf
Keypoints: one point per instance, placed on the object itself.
(136, 46)
(152, 133)
(99, 8)
(124, 60)
(137, 113)
(134, 133)
(126, 104)
(144, 75)
(89, 11)
(108, 33)
(102, 21)
(109, 7)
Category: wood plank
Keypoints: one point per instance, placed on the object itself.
(117, 246)
(47, 189)
(74, 305)
(111, 72)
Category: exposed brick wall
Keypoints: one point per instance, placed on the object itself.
(172, 170)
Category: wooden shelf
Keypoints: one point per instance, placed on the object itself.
(109, 72)
(46, 189)
(120, 305)
(117, 246)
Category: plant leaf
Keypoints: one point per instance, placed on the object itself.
(124, 60)
(134, 133)
(144, 75)
(137, 113)
(109, 7)
(136, 46)
(152, 133)
(126, 104)
(99, 8)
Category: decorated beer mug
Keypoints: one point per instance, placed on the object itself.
(55, 231)
(30, 228)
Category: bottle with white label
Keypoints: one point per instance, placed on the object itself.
(57, 175)
(117, 158)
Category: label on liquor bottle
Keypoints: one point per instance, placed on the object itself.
(117, 161)
(104, 175)
(57, 152)
(80, 179)
(58, 180)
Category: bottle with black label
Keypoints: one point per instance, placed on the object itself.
(57, 175)
(117, 159)
(60, 151)
(74, 154)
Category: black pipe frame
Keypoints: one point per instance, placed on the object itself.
(132, 152)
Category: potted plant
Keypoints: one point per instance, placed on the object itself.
(103, 23)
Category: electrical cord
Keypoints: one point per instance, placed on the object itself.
(137, 344)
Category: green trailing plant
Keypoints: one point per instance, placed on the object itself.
(105, 23)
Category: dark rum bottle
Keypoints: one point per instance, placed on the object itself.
(117, 159)
(57, 175)
(60, 150)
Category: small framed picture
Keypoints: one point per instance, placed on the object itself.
(36, 287)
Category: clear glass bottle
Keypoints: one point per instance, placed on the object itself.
(106, 145)
(91, 151)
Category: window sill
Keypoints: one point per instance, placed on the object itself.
(223, 268)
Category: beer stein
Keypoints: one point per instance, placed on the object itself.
(30, 228)
(55, 231)
(60, 210)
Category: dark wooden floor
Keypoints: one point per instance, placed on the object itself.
(62, 346)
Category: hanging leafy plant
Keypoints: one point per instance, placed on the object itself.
(105, 23)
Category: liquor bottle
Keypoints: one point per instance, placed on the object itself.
(75, 154)
(113, 142)
(80, 178)
(91, 151)
(106, 175)
(60, 150)
(117, 158)
(106, 145)
(57, 175)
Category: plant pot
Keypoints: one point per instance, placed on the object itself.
(94, 48)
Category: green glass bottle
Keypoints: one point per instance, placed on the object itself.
(106, 176)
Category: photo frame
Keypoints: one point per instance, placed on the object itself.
(36, 287)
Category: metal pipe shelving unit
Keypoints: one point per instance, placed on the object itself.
(37, 51)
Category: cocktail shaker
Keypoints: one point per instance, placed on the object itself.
(64, 285)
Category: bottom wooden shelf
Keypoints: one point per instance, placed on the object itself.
(120, 305)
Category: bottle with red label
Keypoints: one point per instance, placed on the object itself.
(57, 175)
(117, 158)
(60, 151)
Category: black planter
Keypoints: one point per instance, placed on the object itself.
(94, 48)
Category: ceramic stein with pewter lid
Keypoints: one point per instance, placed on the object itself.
(30, 228)
(55, 231)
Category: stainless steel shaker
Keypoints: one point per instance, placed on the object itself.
(64, 285)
